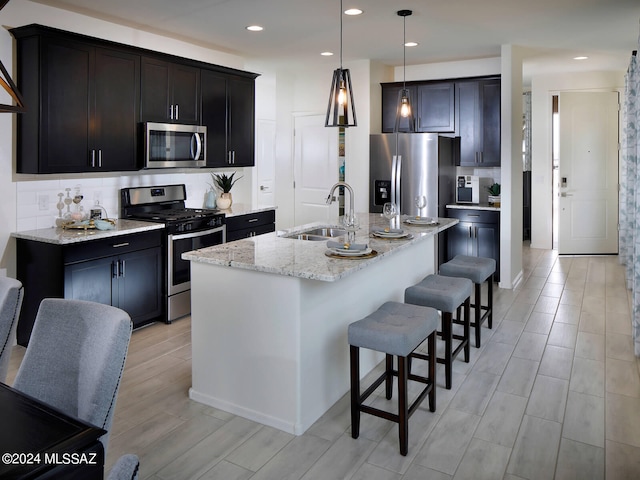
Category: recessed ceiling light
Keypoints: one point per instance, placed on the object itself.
(411, 44)
(353, 11)
(326, 54)
(255, 28)
(580, 58)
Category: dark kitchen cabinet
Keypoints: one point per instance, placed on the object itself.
(124, 271)
(250, 225)
(432, 102)
(170, 92)
(477, 234)
(82, 105)
(478, 122)
(228, 111)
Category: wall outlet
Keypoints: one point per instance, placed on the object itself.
(43, 202)
(97, 198)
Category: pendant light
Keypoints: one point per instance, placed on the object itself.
(404, 103)
(341, 111)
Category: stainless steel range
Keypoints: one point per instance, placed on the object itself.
(187, 229)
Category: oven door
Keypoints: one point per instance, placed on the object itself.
(179, 270)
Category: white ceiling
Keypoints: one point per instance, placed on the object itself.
(299, 30)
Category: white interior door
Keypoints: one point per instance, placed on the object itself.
(315, 169)
(588, 173)
(266, 162)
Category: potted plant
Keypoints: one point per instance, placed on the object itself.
(224, 182)
(494, 194)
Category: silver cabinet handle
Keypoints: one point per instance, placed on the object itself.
(119, 245)
(122, 263)
(233, 157)
(252, 220)
(171, 112)
(93, 159)
(100, 158)
(177, 113)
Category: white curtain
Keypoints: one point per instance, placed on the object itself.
(630, 192)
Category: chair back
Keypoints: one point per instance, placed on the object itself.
(11, 293)
(75, 359)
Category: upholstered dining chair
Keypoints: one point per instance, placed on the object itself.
(11, 293)
(125, 468)
(75, 358)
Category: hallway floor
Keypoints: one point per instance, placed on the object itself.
(554, 392)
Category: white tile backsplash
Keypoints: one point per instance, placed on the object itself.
(105, 189)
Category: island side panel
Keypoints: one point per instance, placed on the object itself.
(245, 343)
(329, 308)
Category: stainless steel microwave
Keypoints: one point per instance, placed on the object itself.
(171, 145)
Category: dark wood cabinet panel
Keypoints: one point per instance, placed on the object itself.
(228, 111)
(478, 122)
(250, 225)
(433, 106)
(477, 234)
(83, 111)
(170, 92)
(125, 271)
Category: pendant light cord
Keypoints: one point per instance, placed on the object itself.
(404, 53)
(340, 34)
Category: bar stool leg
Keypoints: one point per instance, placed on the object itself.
(403, 407)
(355, 391)
(467, 314)
(478, 311)
(389, 376)
(431, 352)
(447, 336)
(490, 302)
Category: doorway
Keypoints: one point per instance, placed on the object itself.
(586, 182)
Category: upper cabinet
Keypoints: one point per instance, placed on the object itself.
(82, 105)
(170, 92)
(228, 112)
(87, 97)
(478, 122)
(432, 102)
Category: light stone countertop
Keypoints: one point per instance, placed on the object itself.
(272, 253)
(60, 236)
(237, 209)
(473, 206)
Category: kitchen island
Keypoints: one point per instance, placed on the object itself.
(270, 315)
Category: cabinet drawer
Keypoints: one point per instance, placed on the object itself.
(250, 232)
(117, 245)
(250, 220)
(476, 216)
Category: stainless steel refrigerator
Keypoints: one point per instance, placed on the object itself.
(405, 165)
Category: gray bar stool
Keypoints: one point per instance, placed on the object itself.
(478, 270)
(446, 294)
(394, 329)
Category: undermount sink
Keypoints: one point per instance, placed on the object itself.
(317, 234)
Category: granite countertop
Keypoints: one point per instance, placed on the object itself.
(272, 253)
(237, 209)
(60, 236)
(474, 206)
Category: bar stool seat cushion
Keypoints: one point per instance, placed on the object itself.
(476, 269)
(394, 328)
(440, 292)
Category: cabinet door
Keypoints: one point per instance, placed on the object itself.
(435, 107)
(214, 116)
(92, 280)
(185, 94)
(240, 117)
(65, 107)
(139, 290)
(155, 100)
(467, 120)
(489, 91)
(459, 240)
(390, 102)
(116, 111)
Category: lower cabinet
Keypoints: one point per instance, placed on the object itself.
(124, 271)
(477, 234)
(250, 225)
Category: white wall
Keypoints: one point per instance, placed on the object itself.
(543, 87)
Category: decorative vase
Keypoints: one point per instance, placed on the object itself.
(210, 199)
(224, 201)
(494, 200)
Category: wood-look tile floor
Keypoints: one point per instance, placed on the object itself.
(554, 392)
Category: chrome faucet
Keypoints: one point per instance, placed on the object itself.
(350, 220)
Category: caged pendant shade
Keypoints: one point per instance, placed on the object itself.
(341, 109)
(404, 102)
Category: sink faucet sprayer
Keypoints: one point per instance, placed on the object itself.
(350, 219)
